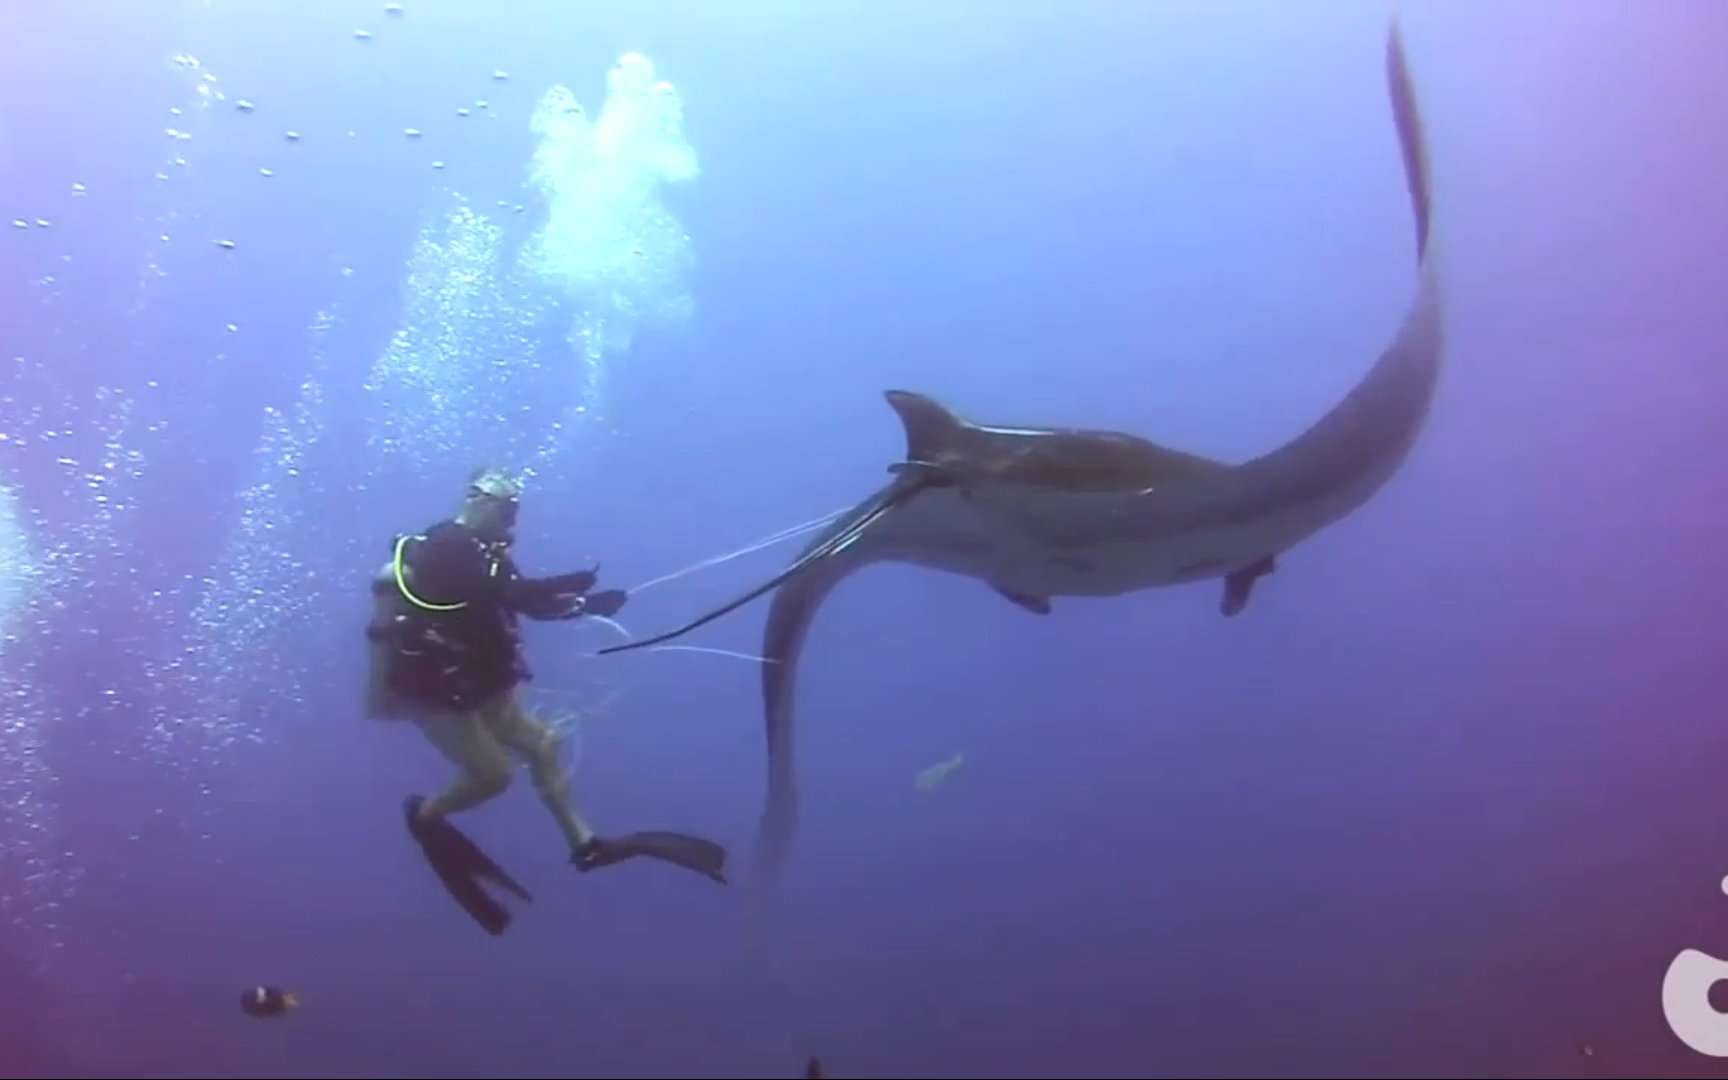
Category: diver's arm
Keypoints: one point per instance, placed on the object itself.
(457, 571)
(562, 597)
(566, 596)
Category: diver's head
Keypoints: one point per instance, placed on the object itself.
(490, 505)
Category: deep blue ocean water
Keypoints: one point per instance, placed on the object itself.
(275, 277)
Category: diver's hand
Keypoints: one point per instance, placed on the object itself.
(575, 584)
(606, 602)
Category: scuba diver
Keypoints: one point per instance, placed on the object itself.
(446, 653)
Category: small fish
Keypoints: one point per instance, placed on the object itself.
(463, 111)
(291, 136)
(225, 244)
(412, 133)
(362, 35)
(266, 171)
(437, 164)
(500, 76)
(244, 106)
(20, 223)
(392, 9)
(262, 1001)
(78, 189)
(935, 774)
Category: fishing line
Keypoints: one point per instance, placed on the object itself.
(911, 483)
(717, 652)
(783, 534)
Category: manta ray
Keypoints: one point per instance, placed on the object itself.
(1043, 512)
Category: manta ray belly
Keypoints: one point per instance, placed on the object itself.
(1053, 545)
(1037, 542)
(941, 530)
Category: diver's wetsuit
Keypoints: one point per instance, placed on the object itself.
(445, 642)
(463, 656)
(448, 607)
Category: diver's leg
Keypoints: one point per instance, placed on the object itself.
(513, 726)
(464, 739)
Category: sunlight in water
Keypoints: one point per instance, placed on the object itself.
(472, 369)
(468, 376)
(245, 658)
(15, 563)
(456, 376)
(608, 241)
(28, 867)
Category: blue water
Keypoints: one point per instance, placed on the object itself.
(1444, 801)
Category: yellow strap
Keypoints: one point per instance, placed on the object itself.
(402, 584)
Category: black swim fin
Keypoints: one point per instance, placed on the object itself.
(691, 852)
(461, 865)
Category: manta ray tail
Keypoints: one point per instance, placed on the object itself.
(1347, 454)
(1366, 434)
(1411, 138)
(789, 618)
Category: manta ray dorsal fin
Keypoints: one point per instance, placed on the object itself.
(933, 434)
(951, 451)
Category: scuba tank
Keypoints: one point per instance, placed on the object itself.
(408, 657)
